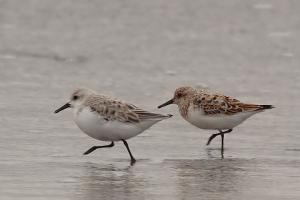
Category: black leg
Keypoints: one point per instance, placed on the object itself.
(216, 134)
(98, 147)
(222, 147)
(127, 147)
(212, 137)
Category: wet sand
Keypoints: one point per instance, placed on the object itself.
(140, 51)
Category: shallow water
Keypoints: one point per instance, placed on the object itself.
(140, 51)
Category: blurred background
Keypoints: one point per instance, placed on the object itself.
(141, 51)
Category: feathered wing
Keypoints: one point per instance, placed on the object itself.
(145, 115)
(220, 104)
(113, 109)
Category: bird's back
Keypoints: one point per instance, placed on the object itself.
(216, 111)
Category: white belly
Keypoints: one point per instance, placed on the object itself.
(97, 127)
(217, 121)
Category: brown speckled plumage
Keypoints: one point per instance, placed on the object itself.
(210, 103)
(212, 111)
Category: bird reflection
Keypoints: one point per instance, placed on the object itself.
(213, 178)
(109, 182)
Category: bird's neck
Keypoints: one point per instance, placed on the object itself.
(77, 109)
(183, 108)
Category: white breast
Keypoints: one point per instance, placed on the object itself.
(216, 121)
(97, 127)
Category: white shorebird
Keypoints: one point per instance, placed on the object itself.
(108, 119)
(207, 110)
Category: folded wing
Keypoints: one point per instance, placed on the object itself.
(220, 104)
(112, 109)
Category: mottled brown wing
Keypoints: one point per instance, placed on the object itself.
(220, 104)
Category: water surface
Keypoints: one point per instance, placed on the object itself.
(140, 51)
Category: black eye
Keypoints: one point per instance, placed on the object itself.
(179, 95)
(75, 97)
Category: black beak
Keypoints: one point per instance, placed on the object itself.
(67, 105)
(167, 103)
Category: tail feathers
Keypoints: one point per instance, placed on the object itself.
(264, 107)
(255, 107)
(162, 117)
(166, 116)
(145, 115)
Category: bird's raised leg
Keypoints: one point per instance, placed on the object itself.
(216, 134)
(98, 147)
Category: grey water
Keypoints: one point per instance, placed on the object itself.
(140, 51)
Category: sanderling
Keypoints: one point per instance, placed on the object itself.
(108, 119)
(208, 110)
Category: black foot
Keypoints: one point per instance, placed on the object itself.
(131, 156)
(132, 162)
(98, 147)
(222, 154)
